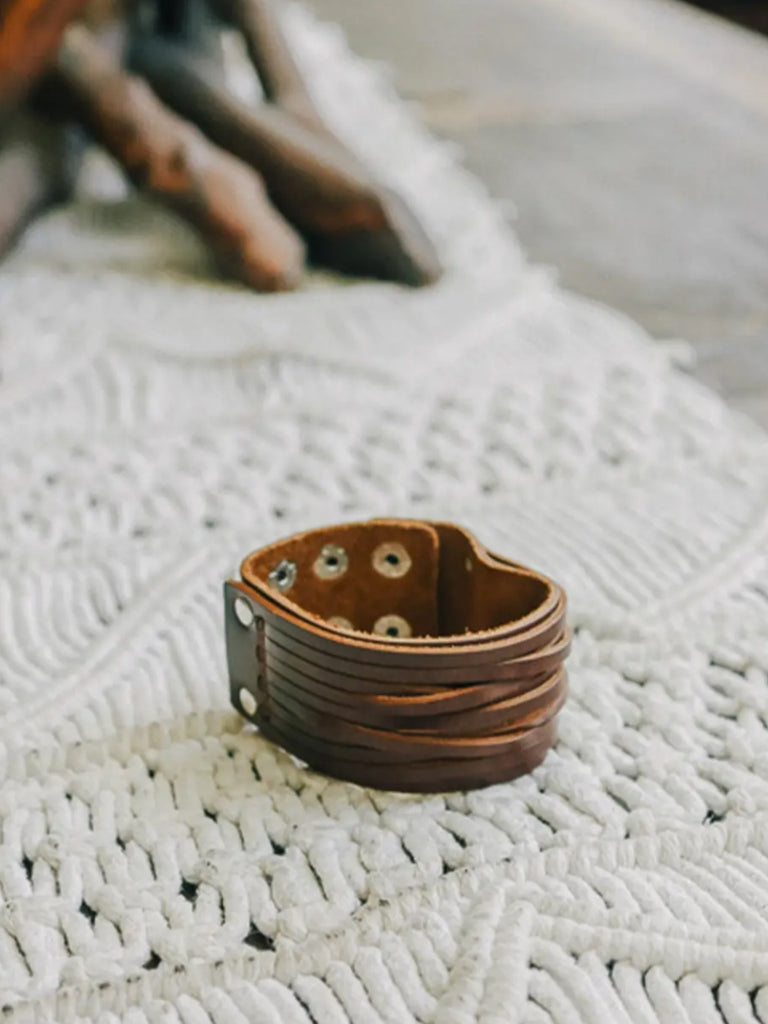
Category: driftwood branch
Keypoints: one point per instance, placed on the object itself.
(281, 78)
(350, 222)
(172, 161)
(251, 177)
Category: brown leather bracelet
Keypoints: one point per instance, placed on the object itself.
(398, 654)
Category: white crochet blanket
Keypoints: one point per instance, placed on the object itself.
(159, 864)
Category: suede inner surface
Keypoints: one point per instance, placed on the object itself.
(453, 586)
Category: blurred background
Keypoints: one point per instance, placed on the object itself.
(626, 139)
(629, 139)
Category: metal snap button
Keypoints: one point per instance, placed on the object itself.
(283, 576)
(331, 563)
(391, 559)
(392, 625)
(243, 612)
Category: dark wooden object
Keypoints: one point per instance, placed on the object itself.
(174, 162)
(280, 76)
(350, 223)
(238, 172)
(752, 13)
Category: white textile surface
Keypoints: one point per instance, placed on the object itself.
(158, 863)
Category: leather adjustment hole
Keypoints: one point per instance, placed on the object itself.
(340, 622)
(392, 626)
(247, 701)
(331, 563)
(283, 576)
(391, 559)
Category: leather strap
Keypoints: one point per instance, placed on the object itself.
(398, 654)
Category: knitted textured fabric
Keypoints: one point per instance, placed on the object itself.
(159, 862)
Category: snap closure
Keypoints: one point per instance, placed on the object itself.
(391, 559)
(392, 625)
(331, 563)
(283, 576)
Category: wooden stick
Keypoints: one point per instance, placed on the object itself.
(350, 222)
(220, 196)
(280, 75)
(38, 167)
(30, 31)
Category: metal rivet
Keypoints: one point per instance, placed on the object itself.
(392, 625)
(331, 563)
(283, 576)
(247, 701)
(340, 622)
(243, 612)
(391, 559)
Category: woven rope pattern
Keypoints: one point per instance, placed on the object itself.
(160, 864)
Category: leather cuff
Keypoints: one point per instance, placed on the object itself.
(398, 654)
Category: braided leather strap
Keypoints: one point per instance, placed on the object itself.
(398, 654)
